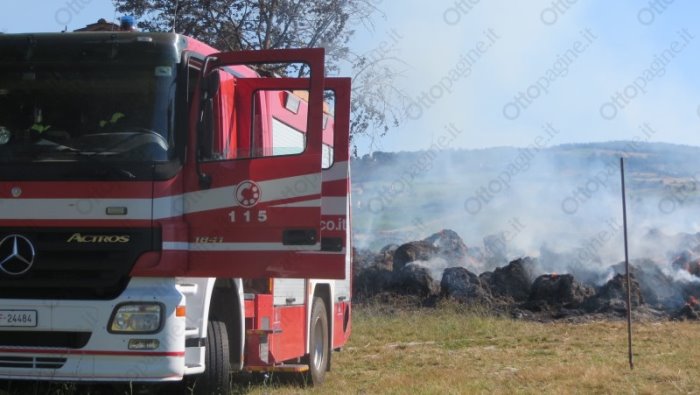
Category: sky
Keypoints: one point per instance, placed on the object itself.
(593, 70)
(503, 73)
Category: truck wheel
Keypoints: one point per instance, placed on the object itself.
(318, 344)
(215, 379)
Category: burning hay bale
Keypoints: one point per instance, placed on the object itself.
(445, 244)
(612, 297)
(690, 311)
(657, 288)
(362, 258)
(449, 245)
(464, 286)
(512, 281)
(688, 261)
(559, 291)
(385, 258)
(581, 263)
(372, 274)
(413, 251)
(372, 281)
(415, 278)
(442, 266)
(406, 269)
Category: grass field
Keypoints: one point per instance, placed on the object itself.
(449, 350)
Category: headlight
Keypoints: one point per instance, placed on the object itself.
(136, 318)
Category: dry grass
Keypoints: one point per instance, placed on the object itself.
(449, 350)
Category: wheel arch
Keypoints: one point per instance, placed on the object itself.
(227, 304)
(325, 292)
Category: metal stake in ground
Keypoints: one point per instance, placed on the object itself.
(627, 265)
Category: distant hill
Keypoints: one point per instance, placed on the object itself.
(664, 159)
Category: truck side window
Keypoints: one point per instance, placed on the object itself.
(241, 122)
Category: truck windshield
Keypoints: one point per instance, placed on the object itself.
(65, 111)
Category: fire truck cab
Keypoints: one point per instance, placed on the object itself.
(168, 211)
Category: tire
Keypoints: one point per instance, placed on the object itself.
(216, 377)
(319, 352)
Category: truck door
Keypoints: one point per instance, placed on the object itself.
(253, 211)
(335, 200)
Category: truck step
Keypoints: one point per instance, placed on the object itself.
(187, 289)
(283, 368)
(194, 369)
(263, 331)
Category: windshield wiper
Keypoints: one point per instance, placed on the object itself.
(149, 136)
(110, 168)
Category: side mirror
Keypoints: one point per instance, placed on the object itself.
(205, 134)
(205, 130)
(205, 139)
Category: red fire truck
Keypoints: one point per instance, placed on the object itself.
(169, 212)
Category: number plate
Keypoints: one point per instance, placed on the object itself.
(15, 318)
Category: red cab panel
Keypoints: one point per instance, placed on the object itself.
(251, 211)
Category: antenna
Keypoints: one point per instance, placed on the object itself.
(177, 5)
(627, 266)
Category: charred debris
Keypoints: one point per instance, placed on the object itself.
(442, 267)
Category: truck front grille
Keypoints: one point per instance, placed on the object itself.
(66, 268)
(45, 339)
(31, 362)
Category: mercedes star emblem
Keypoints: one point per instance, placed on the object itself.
(16, 255)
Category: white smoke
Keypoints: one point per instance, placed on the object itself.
(562, 205)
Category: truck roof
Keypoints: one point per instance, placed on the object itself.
(92, 45)
(165, 46)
